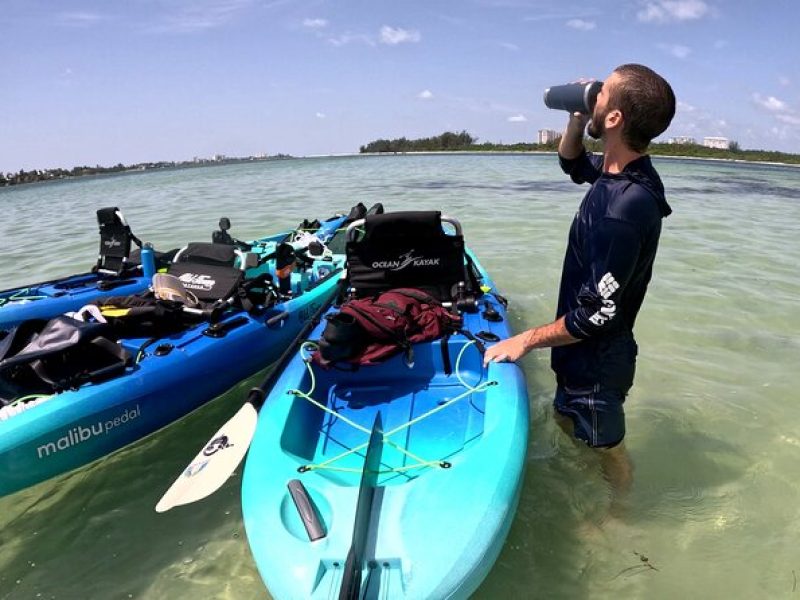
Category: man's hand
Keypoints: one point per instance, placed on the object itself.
(509, 350)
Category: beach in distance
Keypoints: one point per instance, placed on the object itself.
(714, 431)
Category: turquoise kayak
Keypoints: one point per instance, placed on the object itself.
(144, 381)
(444, 488)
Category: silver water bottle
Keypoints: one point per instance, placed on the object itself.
(573, 97)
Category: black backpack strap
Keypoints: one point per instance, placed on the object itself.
(446, 363)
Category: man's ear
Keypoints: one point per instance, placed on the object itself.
(614, 119)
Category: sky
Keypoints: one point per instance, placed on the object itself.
(101, 82)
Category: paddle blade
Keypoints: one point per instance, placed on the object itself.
(215, 462)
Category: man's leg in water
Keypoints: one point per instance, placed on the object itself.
(589, 417)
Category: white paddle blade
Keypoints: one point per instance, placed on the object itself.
(215, 462)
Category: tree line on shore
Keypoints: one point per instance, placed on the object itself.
(446, 142)
(464, 142)
(55, 174)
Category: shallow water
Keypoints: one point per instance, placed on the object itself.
(713, 420)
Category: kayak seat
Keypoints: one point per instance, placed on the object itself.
(207, 270)
(407, 250)
(46, 357)
(408, 280)
(115, 242)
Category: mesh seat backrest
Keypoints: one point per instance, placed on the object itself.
(406, 249)
(115, 240)
(208, 253)
(206, 269)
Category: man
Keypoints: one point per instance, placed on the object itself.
(608, 264)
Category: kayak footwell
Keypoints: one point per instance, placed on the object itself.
(424, 423)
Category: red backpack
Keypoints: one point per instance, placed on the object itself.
(367, 331)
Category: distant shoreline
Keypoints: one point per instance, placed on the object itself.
(176, 166)
(542, 152)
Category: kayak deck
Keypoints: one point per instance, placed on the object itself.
(433, 416)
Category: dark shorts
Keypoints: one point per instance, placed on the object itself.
(597, 414)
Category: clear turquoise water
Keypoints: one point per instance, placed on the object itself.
(713, 420)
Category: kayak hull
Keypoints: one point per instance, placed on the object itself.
(436, 530)
(78, 426)
(171, 377)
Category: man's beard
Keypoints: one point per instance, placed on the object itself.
(597, 126)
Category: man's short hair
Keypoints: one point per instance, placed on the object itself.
(646, 101)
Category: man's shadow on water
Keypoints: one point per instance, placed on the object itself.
(94, 533)
(548, 553)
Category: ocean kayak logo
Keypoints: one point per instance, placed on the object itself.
(197, 282)
(112, 243)
(78, 435)
(405, 260)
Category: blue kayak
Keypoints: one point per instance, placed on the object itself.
(444, 481)
(157, 379)
(118, 272)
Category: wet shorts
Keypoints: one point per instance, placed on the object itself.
(597, 414)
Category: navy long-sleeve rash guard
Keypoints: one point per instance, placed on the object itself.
(608, 264)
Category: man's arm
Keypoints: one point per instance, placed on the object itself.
(571, 144)
(581, 166)
(514, 348)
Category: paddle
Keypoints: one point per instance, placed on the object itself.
(222, 454)
(354, 565)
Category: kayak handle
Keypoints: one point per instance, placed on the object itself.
(307, 511)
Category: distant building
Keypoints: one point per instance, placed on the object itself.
(548, 135)
(218, 157)
(682, 139)
(717, 142)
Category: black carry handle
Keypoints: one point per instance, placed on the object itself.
(315, 528)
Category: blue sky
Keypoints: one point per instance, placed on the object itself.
(103, 82)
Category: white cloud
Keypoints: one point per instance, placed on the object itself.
(350, 38)
(320, 115)
(686, 107)
(778, 109)
(517, 119)
(393, 36)
(581, 25)
(191, 17)
(425, 95)
(770, 103)
(784, 81)
(315, 23)
(788, 119)
(676, 50)
(80, 19)
(509, 46)
(670, 11)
